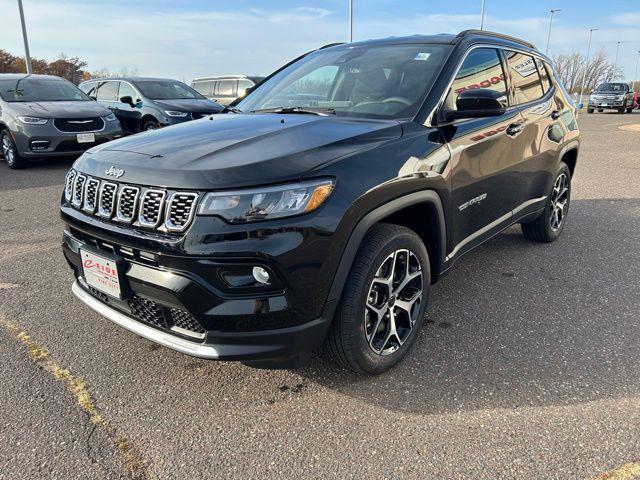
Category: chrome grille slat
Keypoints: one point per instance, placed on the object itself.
(68, 185)
(91, 188)
(127, 203)
(156, 208)
(78, 191)
(106, 200)
(151, 205)
(180, 210)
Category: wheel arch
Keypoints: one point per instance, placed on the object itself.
(418, 211)
(570, 157)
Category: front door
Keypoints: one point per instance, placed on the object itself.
(484, 182)
(130, 116)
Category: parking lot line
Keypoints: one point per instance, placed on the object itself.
(133, 464)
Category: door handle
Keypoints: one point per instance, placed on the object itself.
(515, 128)
(555, 114)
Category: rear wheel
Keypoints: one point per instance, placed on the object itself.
(383, 302)
(548, 226)
(10, 152)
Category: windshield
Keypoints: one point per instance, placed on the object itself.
(379, 81)
(166, 90)
(612, 87)
(33, 89)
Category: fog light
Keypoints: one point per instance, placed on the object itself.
(261, 275)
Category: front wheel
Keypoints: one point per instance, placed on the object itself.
(150, 125)
(383, 303)
(590, 110)
(10, 152)
(548, 226)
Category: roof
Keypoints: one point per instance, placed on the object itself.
(131, 79)
(221, 77)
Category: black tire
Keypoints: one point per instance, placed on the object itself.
(622, 110)
(630, 110)
(600, 110)
(590, 110)
(151, 124)
(355, 340)
(10, 152)
(549, 225)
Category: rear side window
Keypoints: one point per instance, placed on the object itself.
(89, 88)
(524, 77)
(204, 88)
(481, 68)
(226, 88)
(108, 91)
(544, 76)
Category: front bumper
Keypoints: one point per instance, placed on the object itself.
(165, 292)
(610, 103)
(56, 143)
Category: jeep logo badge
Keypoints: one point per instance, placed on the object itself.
(114, 172)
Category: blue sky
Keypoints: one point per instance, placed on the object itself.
(185, 39)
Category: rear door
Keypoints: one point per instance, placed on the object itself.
(225, 92)
(483, 158)
(537, 149)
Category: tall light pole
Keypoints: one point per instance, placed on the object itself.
(482, 16)
(586, 65)
(350, 21)
(615, 62)
(635, 73)
(27, 56)
(551, 12)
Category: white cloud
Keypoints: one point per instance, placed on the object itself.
(630, 18)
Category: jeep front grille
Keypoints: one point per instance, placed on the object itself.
(180, 211)
(127, 203)
(91, 195)
(151, 208)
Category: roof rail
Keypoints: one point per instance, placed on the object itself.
(331, 45)
(494, 34)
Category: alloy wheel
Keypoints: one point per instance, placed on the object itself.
(7, 150)
(559, 202)
(393, 302)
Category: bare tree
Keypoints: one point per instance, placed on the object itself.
(571, 68)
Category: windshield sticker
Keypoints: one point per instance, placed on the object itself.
(422, 56)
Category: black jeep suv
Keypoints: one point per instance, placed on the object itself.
(321, 207)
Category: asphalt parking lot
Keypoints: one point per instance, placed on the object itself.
(528, 366)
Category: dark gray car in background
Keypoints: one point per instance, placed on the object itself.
(43, 116)
(143, 103)
(611, 96)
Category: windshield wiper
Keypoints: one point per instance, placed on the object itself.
(228, 109)
(300, 110)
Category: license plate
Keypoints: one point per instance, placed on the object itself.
(604, 104)
(101, 273)
(86, 137)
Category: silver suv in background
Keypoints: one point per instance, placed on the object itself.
(45, 116)
(225, 89)
(611, 96)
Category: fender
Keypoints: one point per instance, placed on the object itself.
(373, 217)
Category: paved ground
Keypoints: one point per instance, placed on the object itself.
(528, 367)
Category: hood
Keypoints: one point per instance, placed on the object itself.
(191, 105)
(235, 150)
(70, 109)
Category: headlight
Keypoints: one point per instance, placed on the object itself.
(33, 120)
(620, 97)
(173, 113)
(110, 118)
(265, 203)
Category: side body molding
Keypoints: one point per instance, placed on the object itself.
(378, 214)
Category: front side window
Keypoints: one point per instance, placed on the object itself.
(166, 90)
(481, 68)
(33, 89)
(127, 90)
(376, 81)
(524, 77)
(108, 91)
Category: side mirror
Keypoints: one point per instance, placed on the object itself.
(477, 103)
(128, 100)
